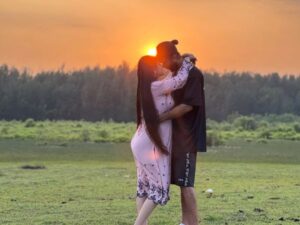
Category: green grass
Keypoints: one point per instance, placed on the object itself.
(63, 130)
(285, 127)
(94, 183)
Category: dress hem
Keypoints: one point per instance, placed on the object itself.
(157, 202)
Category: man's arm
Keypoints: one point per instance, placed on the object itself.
(176, 112)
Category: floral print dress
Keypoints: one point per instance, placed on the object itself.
(153, 167)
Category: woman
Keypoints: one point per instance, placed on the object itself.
(151, 144)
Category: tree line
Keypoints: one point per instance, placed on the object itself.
(109, 93)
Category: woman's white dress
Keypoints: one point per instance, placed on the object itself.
(153, 167)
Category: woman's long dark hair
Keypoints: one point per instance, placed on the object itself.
(145, 103)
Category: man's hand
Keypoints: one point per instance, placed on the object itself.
(176, 112)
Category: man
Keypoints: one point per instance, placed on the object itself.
(189, 129)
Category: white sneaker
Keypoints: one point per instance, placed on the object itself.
(181, 224)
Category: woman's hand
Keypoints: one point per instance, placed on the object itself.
(187, 62)
(192, 58)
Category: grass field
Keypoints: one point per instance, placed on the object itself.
(252, 128)
(94, 183)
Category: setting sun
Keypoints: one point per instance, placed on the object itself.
(152, 51)
(253, 37)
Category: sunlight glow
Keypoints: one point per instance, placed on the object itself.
(152, 51)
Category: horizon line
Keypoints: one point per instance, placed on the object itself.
(62, 68)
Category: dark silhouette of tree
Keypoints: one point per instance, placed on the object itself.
(109, 93)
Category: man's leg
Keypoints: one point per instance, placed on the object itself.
(189, 206)
(183, 175)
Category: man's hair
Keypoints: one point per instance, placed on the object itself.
(166, 49)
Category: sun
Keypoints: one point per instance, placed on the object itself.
(151, 51)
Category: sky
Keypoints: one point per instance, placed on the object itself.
(233, 35)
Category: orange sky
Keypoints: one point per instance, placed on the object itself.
(243, 35)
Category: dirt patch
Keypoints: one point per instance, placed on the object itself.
(31, 167)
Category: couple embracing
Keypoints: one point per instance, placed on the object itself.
(171, 129)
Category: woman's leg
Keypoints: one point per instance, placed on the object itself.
(139, 205)
(145, 212)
